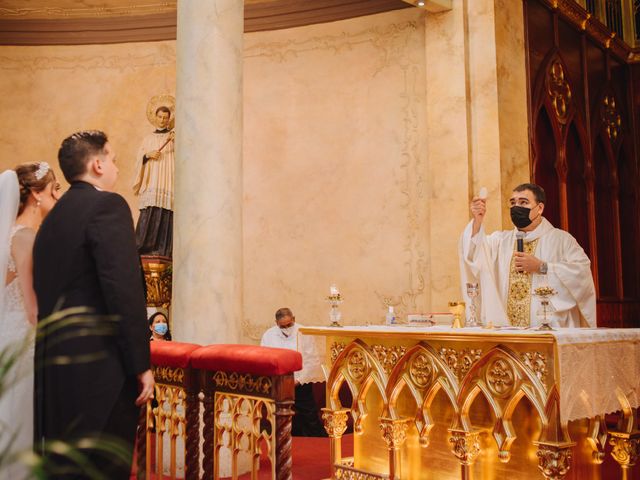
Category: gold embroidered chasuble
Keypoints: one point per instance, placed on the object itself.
(519, 300)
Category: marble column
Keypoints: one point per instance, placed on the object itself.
(207, 251)
(476, 124)
(448, 150)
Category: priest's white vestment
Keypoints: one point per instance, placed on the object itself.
(486, 259)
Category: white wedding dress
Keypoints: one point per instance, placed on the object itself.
(16, 397)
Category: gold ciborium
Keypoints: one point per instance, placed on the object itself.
(546, 308)
(457, 309)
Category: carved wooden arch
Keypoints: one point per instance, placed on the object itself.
(423, 372)
(358, 366)
(578, 123)
(504, 380)
(602, 126)
(552, 93)
(557, 138)
(553, 67)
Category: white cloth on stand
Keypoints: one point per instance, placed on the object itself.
(311, 348)
(486, 259)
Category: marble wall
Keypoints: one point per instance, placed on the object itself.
(363, 141)
(47, 93)
(335, 169)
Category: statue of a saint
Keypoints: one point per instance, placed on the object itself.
(153, 182)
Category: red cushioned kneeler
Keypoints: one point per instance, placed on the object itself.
(172, 354)
(247, 359)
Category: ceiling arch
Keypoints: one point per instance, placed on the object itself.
(73, 22)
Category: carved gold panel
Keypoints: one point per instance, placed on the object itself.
(166, 424)
(500, 398)
(242, 426)
(158, 280)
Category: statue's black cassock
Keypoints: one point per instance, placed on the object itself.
(85, 255)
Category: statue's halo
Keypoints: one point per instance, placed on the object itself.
(162, 100)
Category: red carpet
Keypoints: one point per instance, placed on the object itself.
(310, 459)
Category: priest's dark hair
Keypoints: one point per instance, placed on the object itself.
(537, 190)
(76, 150)
(283, 312)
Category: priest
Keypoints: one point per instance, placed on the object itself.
(508, 265)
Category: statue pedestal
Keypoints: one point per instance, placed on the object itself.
(157, 277)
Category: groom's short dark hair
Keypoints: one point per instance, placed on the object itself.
(76, 149)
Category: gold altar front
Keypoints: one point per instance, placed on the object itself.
(461, 404)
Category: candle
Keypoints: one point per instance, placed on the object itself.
(333, 290)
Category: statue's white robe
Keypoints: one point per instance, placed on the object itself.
(153, 180)
(486, 259)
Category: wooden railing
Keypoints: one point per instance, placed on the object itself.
(247, 393)
(620, 16)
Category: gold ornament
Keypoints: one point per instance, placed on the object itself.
(394, 431)
(357, 365)
(388, 356)
(559, 91)
(335, 422)
(465, 446)
(554, 462)
(537, 363)
(500, 377)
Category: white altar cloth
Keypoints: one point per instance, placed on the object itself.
(595, 364)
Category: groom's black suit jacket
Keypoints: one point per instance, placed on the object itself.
(85, 256)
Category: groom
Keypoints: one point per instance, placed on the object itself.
(93, 374)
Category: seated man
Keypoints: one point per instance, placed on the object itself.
(284, 334)
(508, 277)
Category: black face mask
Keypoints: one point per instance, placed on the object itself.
(520, 216)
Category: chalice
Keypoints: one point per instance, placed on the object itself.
(457, 309)
(472, 292)
(546, 308)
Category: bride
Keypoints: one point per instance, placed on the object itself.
(26, 196)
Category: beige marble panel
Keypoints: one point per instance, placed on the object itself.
(512, 99)
(448, 150)
(335, 173)
(49, 92)
(477, 124)
(483, 107)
